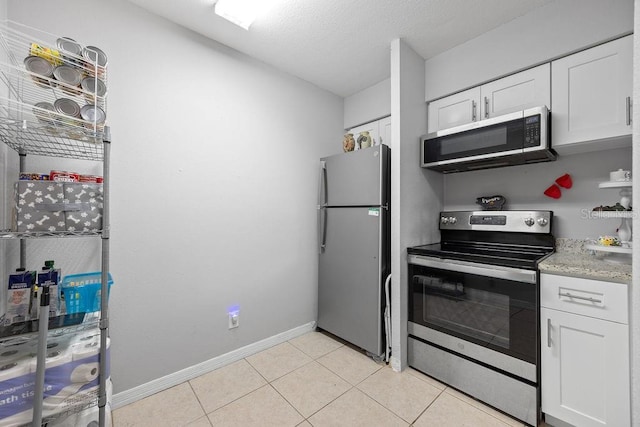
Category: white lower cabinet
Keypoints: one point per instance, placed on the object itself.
(584, 351)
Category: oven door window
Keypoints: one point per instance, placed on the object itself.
(495, 313)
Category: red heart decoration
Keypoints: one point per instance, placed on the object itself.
(553, 192)
(565, 181)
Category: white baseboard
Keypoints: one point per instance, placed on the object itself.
(140, 392)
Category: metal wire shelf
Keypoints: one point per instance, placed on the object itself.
(57, 140)
(8, 234)
(53, 103)
(89, 322)
(44, 115)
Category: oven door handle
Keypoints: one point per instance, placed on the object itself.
(499, 272)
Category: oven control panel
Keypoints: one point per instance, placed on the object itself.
(508, 221)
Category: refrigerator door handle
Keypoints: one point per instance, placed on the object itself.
(322, 203)
(322, 196)
(322, 238)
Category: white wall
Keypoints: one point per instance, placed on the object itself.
(368, 105)
(634, 291)
(523, 186)
(416, 193)
(553, 30)
(214, 183)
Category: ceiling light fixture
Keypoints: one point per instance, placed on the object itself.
(241, 12)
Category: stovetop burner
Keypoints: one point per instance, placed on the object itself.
(518, 239)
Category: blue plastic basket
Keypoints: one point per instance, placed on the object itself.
(82, 291)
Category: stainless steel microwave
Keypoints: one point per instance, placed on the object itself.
(511, 139)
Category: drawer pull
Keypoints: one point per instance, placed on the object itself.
(590, 299)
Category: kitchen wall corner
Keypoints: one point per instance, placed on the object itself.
(368, 105)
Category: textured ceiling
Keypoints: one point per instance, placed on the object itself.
(343, 45)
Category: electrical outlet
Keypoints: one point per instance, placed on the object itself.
(234, 319)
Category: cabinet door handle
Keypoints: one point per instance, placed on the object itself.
(629, 107)
(590, 299)
(473, 111)
(549, 333)
(486, 107)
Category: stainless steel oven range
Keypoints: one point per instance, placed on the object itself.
(474, 306)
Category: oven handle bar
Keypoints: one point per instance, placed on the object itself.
(499, 272)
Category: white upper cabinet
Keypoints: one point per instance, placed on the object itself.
(384, 129)
(379, 131)
(591, 100)
(454, 110)
(529, 88)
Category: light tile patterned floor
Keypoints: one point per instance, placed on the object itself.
(313, 380)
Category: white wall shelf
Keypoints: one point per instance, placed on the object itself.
(624, 231)
(612, 249)
(615, 184)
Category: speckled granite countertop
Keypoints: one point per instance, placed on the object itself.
(572, 259)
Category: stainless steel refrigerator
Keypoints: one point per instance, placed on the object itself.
(354, 235)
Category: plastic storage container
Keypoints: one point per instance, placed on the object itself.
(82, 291)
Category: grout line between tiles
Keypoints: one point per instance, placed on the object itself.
(479, 407)
(320, 364)
(197, 398)
(286, 400)
(329, 403)
(234, 400)
(428, 406)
